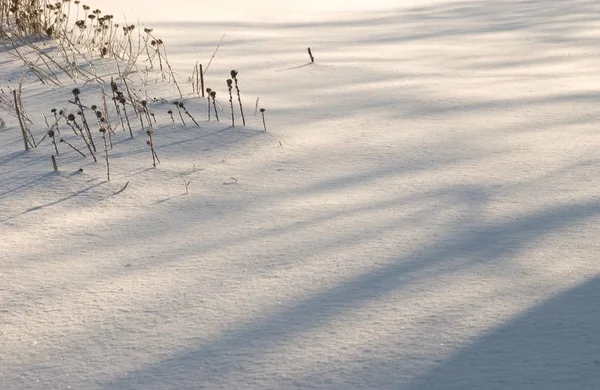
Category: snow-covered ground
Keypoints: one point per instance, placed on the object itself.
(422, 212)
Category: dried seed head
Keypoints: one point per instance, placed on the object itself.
(51, 133)
(169, 112)
(213, 94)
(61, 112)
(53, 110)
(102, 130)
(262, 110)
(149, 132)
(98, 114)
(76, 91)
(71, 117)
(234, 73)
(144, 103)
(229, 83)
(208, 90)
(93, 107)
(122, 101)
(181, 105)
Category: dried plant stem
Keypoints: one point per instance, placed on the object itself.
(191, 117)
(23, 132)
(151, 144)
(229, 87)
(214, 53)
(106, 155)
(312, 59)
(179, 111)
(262, 111)
(84, 121)
(84, 139)
(213, 94)
(72, 147)
(239, 100)
(208, 104)
(54, 143)
(127, 118)
(201, 79)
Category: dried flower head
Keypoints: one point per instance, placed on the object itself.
(93, 107)
(51, 133)
(234, 73)
(71, 117)
(76, 91)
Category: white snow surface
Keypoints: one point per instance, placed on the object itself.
(422, 212)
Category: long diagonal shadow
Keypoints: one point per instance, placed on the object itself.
(485, 245)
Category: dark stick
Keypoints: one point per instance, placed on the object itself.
(18, 112)
(188, 114)
(72, 147)
(262, 111)
(234, 74)
(208, 91)
(179, 111)
(76, 93)
(229, 87)
(201, 80)
(122, 101)
(103, 131)
(52, 135)
(312, 59)
(54, 162)
(213, 95)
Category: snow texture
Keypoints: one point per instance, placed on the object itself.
(422, 212)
